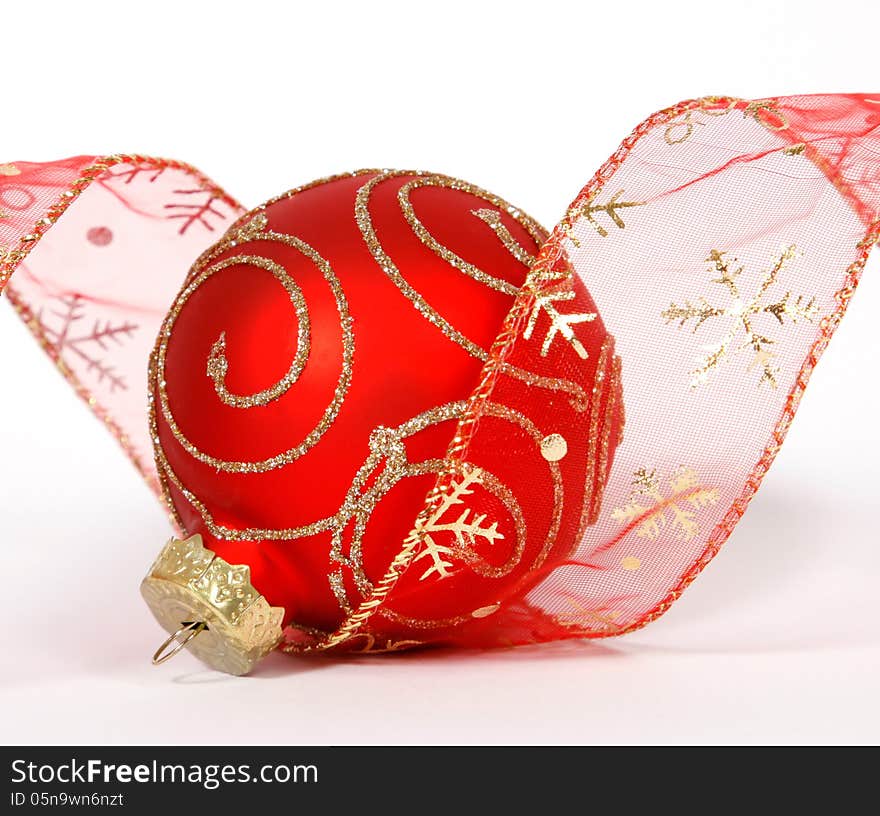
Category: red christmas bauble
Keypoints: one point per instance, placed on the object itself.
(316, 375)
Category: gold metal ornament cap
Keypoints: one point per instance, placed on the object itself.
(226, 622)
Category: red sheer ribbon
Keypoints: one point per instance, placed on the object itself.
(99, 247)
(721, 244)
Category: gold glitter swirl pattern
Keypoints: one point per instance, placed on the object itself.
(200, 275)
(413, 543)
(578, 397)
(365, 223)
(386, 445)
(167, 475)
(421, 623)
(218, 365)
(337, 587)
(514, 247)
(388, 453)
(607, 386)
(494, 409)
(594, 440)
(469, 269)
(610, 412)
(386, 448)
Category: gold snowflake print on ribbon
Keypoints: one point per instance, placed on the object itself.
(582, 617)
(653, 508)
(764, 111)
(7, 170)
(741, 314)
(550, 288)
(680, 130)
(590, 211)
(465, 529)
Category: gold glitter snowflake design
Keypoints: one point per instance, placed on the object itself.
(650, 510)
(741, 314)
(465, 529)
(60, 325)
(545, 300)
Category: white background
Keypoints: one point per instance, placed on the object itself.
(776, 642)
